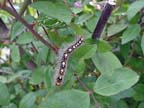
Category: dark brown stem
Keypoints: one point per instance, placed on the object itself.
(18, 17)
(102, 20)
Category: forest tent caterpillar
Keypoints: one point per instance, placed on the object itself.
(63, 59)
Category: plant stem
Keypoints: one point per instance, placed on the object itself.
(102, 20)
(97, 104)
(13, 12)
(43, 27)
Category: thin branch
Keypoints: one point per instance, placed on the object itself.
(80, 82)
(12, 6)
(43, 27)
(34, 48)
(30, 64)
(97, 104)
(18, 17)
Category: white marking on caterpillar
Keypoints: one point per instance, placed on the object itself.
(63, 56)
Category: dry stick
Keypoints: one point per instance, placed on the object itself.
(102, 20)
(16, 15)
(89, 91)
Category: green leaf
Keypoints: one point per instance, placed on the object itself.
(134, 8)
(20, 74)
(3, 79)
(79, 30)
(74, 65)
(55, 10)
(25, 38)
(67, 99)
(119, 104)
(11, 105)
(141, 105)
(15, 55)
(17, 29)
(83, 18)
(120, 79)
(4, 95)
(13, 77)
(139, 92)
(106, 62)
(76, 10)
(42, 55)
(130, 33)
(124, 94)
(49, 77)
(28, 101)
(85, 51)
(103, 46)
(116, 28)
(38, 75)
(136, 63)
(91, 23)
(142, 44)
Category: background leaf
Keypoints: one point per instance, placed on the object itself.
(131, 33)
(28, 101)
(38, 75)
(67, 99)
(134, 8)
(85, 51)
(27, 65)
(15, 55)
(25, 38)
(114, 29)
(120, 79)
(106, 62)
(139, 93)
(54, 10)
(4, 95)
(16, 30)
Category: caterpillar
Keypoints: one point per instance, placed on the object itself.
(63, 57)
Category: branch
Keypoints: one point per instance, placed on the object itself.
(43, 27)
(13, 12)
(97, 104)
(102, 20)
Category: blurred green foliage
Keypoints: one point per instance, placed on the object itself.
(111, 68)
